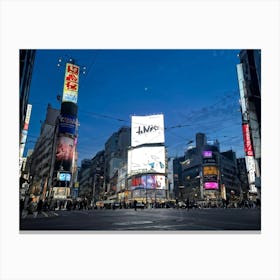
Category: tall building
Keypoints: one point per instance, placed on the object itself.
(229, 173)
(84, 178)
(206, 173)
(177, 175)
(242, 175)
(97, 176)
(42, 158)
(65, 168)
(249, 80)
(116, 148)
(26, 65)
(147, 160)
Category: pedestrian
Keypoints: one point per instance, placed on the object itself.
(188, 204)
(32, 207)
(21, 206)
(40, 206)
(135, 205)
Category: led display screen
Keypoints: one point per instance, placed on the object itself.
(64, 153)
(67, 124)
(247, 140)
(210, 170)
(147, 130)
(64, 176)
(211, 186)
(207, 153)
(146, 159)
(149, 181)
(71, 83)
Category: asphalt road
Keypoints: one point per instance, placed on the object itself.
(146, 220)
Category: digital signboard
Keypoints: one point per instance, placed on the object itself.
(71, 83)
(62, 176)
(146, 159)
(67, 124)
(64, 153)
(207, 154)
(210, 170)
(211, 186)
(147, 130)
(248, 147)
(150, 181)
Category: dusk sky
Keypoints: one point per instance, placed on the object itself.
(196, 90)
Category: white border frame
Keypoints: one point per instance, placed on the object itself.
(140, 24)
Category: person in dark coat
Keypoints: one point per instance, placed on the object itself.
(188, 204)
(40, 206)
(21, 206)
(135, 205)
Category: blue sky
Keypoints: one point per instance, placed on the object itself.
(196, 90)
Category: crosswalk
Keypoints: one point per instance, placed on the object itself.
(35, 215)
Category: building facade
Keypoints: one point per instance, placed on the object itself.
(147, 160)
(26, 65)
(115, 157)
(249, 80)
(206, 173)
(42, 158)
(84, 178)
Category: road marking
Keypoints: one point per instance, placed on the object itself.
(45, 214)
(133, 223)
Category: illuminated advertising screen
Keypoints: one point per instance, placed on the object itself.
(24, 130)
(210, 170)
(207, 154)
(247, 140)
(64, 153)
(149, 181)
(67, 124)
(146, 159)
(71, 83)
(251, 169)
(27, 116)
(64, 176)
(211, 186)
(147, 130)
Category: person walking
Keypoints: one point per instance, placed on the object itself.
(40, 206)
(188, 204)
(135, 204)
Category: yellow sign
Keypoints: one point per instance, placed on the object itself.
(210, 170)
(71, 83)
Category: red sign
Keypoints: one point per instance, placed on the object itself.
(71, 68)
(71, 86)
(247, 140)
(72, 78)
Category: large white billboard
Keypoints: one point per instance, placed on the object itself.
(146, 159)
(147, 130)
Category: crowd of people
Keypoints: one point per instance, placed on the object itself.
(33, 205)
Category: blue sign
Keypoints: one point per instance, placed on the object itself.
(67, 124)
